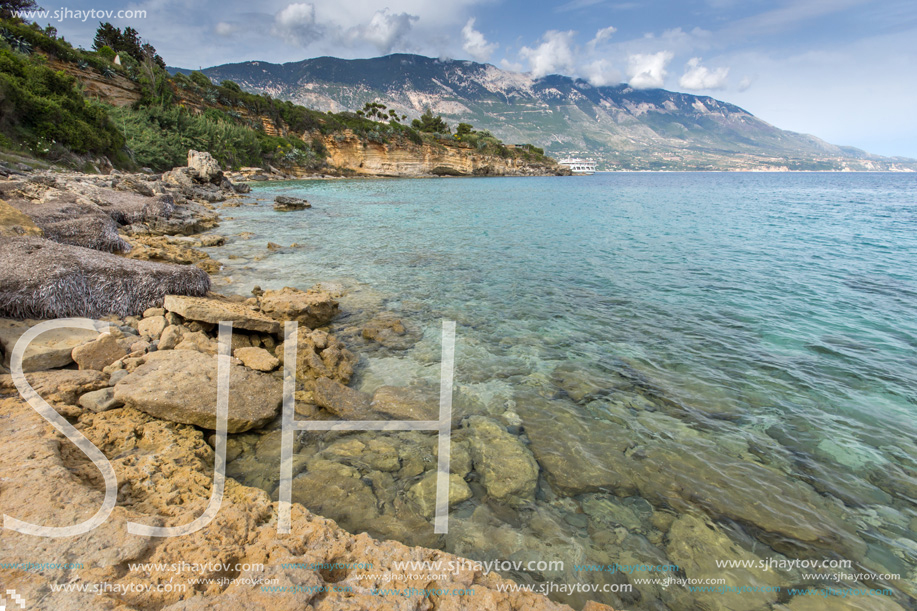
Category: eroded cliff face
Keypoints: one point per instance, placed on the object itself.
(406, 158)
(116, 90)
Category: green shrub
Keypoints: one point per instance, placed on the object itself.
(201, 80)
(42, 107)
(106, 52)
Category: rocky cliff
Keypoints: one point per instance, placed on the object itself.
(405, 158)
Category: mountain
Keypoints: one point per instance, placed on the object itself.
(619, 126)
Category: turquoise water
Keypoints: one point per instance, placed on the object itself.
(774, 313)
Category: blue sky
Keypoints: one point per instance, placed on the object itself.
(843, 70)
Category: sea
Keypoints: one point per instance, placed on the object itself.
(760, 323)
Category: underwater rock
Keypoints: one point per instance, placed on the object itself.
(508, 470)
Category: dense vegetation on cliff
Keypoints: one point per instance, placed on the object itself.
(46, 114)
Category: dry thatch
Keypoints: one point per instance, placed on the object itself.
(43, 279)
(78, 223)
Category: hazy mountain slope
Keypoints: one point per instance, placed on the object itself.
(622, 126)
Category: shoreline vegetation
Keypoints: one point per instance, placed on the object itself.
(124, 249)
(117, 107)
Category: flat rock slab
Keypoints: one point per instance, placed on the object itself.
(61, 387)
(50, 350)
(215, 311)
(310, 308)
(181, 386)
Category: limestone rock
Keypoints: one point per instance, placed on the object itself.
(319, 355)
(508, 470)
(152, 327)
(214, 311)
(285, 203)
(405, 403)
(423, 493)
(171, 337)
(99, 353)
(679, 469)
(62, 387)
(257, 358)
(50, 350)
(181, 386)
(100, 400)
(311, 308)
(204, 167)
(342, 401)
(198, 341)
(696, 547)
(165, 471)
(390, 332)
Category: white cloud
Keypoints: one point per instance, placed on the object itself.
(554, 55)
(385, 31)
(745, 83)
(225, 29)
(601, 36)
(296, 24)
(475, 44)
(647, 70)
(600, 72)
(698, 77)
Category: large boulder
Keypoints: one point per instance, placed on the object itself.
(43, 279)
(181, 386)
(313, 308)
(50, 350)
(204, 167)
(508, 470)
(214, 311)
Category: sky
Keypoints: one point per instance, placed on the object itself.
(843, 70)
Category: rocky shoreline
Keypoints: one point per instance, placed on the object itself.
(124, 250)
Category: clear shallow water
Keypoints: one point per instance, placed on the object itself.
(772, 315)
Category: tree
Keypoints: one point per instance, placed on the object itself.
(9, 8)
(428, 123)
(128, 42)
(464, 129)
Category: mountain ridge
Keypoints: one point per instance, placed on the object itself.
(619, 126)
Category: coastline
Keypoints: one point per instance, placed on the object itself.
(164, 464)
